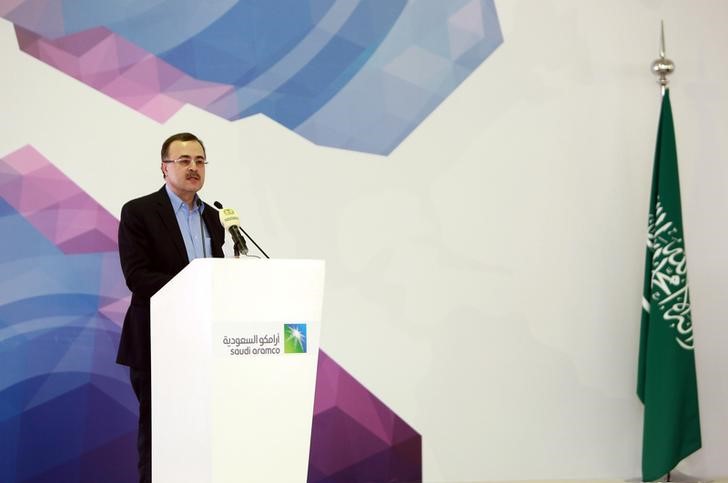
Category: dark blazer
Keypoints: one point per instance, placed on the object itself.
(152, 251)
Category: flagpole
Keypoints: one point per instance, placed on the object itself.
(663, 66)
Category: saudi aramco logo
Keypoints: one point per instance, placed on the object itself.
(294, 336)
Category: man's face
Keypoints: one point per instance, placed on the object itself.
(185, 181)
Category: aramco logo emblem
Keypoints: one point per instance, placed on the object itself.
(294, 336)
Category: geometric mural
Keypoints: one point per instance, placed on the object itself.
(352, 74)
(67, 411)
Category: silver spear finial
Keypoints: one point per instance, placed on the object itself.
(663, 66)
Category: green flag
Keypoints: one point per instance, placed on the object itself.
(666, 382)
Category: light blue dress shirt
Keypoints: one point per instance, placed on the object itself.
(189, 222)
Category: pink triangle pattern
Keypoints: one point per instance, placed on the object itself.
(116, 309)
(465, 29)
(56, 206)
(114, 66)
(355, 435)
(8, 6)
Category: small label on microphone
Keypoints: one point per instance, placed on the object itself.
(228, 218)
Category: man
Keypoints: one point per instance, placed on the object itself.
(158, 235)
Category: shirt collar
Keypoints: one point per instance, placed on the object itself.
(178, 204)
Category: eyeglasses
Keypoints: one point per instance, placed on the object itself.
(186, 161)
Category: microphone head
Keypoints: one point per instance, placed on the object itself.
(229, 218)
(198, 202)
(218, 205)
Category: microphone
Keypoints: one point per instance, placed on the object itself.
(230, 220)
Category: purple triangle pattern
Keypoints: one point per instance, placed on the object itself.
(55, 205)
(356, 437)
(111, 64)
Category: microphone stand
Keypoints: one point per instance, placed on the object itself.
(256, 245)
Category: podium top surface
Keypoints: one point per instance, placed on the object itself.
(219, 289)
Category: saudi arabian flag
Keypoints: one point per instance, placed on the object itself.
(666, 382)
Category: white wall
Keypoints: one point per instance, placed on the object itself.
(485, 279)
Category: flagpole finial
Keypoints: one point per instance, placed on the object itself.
(663, 66)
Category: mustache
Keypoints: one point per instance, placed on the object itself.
(191, 175)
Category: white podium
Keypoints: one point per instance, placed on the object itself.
(234, 351)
